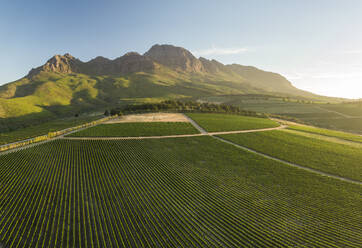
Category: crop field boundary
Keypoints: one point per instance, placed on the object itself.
(196, 125)
(289, 163)
(23, 144)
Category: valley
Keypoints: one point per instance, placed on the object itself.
(181, 124)
(168, 150)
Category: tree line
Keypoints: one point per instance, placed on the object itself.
(181, 106)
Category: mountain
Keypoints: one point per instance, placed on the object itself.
(58, 63)
(65, 84)
(176, 58)
(67, 64)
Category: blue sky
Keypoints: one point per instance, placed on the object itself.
(316, 44)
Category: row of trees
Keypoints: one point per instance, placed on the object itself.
(112, 112)
(182, 106)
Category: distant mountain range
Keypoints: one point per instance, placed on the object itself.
(65, 84)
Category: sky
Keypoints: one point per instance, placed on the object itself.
(316, 44)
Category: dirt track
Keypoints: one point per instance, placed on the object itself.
(176, 136)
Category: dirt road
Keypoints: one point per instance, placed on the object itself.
(204, 133)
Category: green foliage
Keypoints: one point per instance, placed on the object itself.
(338, 159)
(137, 129)
(226, 122)
(169, 193)
(185, 106)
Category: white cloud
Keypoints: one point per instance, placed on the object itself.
(221, 51)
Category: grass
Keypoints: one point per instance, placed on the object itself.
(329, 133)
(43, 129)
(225, 122)
(137, 129)
(186, 192)
(338, 159)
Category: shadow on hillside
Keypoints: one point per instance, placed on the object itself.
(49, 113)
(26, 89)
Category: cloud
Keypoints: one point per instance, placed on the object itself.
(221, 51)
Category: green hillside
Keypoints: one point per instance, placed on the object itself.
(65, 86)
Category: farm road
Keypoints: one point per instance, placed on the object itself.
(204, 133)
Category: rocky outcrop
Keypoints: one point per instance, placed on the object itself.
(58, 63)
(98, 66)
(129, 63)
(213, 66)
(133, 62)
(176, 58)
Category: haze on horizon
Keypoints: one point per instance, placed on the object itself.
(315, 44)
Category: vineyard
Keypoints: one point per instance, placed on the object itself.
(227, 122)
(330, 157)
(44, 129)
(137, 129)
(169, 193)
(329, 133)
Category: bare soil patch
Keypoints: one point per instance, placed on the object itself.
(150, 117)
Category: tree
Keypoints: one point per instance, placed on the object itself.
(114, 112)
(106, 113)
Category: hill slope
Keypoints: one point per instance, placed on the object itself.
(65, 85)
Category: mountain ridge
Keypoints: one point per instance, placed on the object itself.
(176, 58)
(65, 84)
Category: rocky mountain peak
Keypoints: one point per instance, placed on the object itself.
(174, 57)
(132, 54)
(58, 63)
(133, 62)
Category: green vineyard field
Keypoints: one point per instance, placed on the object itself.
(137, 129)
(330, 157)
(44, 129)
(169, 193)
(227, 122)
